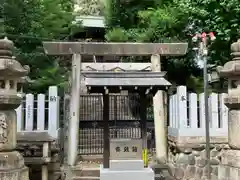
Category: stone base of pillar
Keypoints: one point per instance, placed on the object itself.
(230, 167)
(12, 166)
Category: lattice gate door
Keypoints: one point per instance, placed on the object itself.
(124, 121)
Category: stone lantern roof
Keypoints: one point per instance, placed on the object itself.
(9, 66)
(232, 68)
(12, 75)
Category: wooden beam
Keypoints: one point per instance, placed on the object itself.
(106, 131)
(116, 67)
(130, 89)
(127, 79)
(128, 74)
(127, 82)
(122, 49)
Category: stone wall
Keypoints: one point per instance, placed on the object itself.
(188, 162)
(230, 166)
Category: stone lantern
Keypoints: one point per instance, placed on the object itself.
(231, 71)
(11, 76)
(230, 167)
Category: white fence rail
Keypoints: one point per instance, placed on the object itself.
(187, 114)
(39, 113)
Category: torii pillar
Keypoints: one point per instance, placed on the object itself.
(116, 49)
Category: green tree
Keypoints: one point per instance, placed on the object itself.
(220, 16)
(124, 14)
(28, 23)
(161, 23)
(178, 20)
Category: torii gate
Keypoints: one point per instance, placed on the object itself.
(77, 49)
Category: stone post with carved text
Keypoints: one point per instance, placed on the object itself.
(230, 167)
(12, 75)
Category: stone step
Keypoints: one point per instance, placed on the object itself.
(86, 172)
(56, 175)
(162, 172)
(164, 175)
(159, 167)
(93, 173)
(157, 177)
(86, 178)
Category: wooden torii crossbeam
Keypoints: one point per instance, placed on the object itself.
(77, 49)
(118, 49)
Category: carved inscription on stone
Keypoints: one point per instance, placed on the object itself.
(125, 149)
(3, 128)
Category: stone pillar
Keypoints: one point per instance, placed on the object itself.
(159, 117)
(73, 137)
(11, 162)
(230, 168)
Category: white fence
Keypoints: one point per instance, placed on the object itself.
(187, 114)
(39, 113)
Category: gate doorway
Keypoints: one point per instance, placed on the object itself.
(106, 82)
(124, 121)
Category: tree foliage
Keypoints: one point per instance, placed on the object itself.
(124, 13)
(174, 21)
(161, 23)
(28, 23)
(222, 17)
